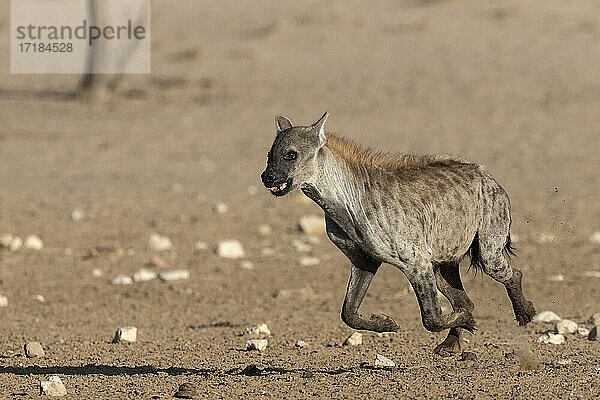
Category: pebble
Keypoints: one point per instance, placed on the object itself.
(381, 361)
(565, 326)
(53, 387)
(265, 230)
(593, 335)
(595, 237)
(557, 278)
(552, 338)
(159, 243)
(246, 265)
(200, 246)
(594, 320)
(122, 280)
(34, 349)
(144, 275)
(592, 274)
(101, 251)
(33, 242)
(186, 391)
(40, 298)
(77, 214)
(230, 248)
(300, 246)
(16, 243)
(260, 329)
(5, 240)
(174, 275)
(564, 361)
(312, 224)
(125, 334)
(309, 261)
(582, 331)
(301, 343)
(130, 251)
(546, 316)
(97, 272)
(267, 251)
(256, 344)
(220, 208)
(3, 301)
(355, 339)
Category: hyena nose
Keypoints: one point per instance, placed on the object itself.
(267, 178)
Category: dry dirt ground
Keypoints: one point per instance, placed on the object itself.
(512, 84)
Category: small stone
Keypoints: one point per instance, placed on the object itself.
(595, 237)
(230, 248)
(582, 331)
(300, 246)
(34, 349)
(544, 238)
(186, 391)
(260, 329)
(593, 335)
(552, 338)
(5, 240)
(557, 278)
(312, 224)
(355, 339)
(220, 208)
(144, 275)
(265, 230)
(546, 316)
(592, 274)
(33, 242)
(174, 275)
(97, 272)
(130, 252)
(381, 361)
(564, 361)
(594, 320)
(245, 264)
(565, 326)
(468, 356)
(256, 344)
(252, 190)
(77, 214)
(122, 280)
(40, 298)
(309, 261)
(3, 301)
(301, 343)
(125, 334)
(200, 246)
(53, 387)
(16, 243)
(159, 243)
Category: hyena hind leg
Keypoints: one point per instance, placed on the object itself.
(449, 283)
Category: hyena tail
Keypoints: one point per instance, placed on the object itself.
(475, 253)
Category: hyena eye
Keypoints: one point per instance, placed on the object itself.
(290, 155)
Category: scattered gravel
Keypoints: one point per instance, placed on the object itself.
(230, 248)
(160, 243)
(256, 344)
(174, 275)
(53, 387)
(355, 339)
(34, 349)
(125, 334)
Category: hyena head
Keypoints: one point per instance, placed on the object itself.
(292, 160)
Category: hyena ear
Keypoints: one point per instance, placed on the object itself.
(319, 128)
(282, 123)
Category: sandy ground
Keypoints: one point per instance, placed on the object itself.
(512, 84)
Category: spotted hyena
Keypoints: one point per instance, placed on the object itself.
(422, 214)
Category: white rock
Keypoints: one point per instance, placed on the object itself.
(143, 275)
(592, 274)
(546, 316)
(40, 298)
(564, 361)
(353, 340)
(309, 261)
(256, 344)
(301, 343)
(265, 230)
(125, 334)
(122, 280)
(200, 246)
(551, 338)
(159, 243)
(97, 272)
(312, 224)
(220, 208)
(77, 214)
(595, 237)
(53, 387)
(557, 278)
(174, 275)
(582, 331)
(16, 243)
(565, 326)
(33, 242)
(300, 246)
(381, 361)
(34, 349)
(230, 248)
(245, 264)
(260, 329)
(3, 301)
(5, 240)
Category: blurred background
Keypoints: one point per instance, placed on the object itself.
(514, 85)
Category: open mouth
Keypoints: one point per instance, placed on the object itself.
(281, 189)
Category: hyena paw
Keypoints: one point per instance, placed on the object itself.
(384, 323)
(449, 347)
(461, 319)
(524, 312)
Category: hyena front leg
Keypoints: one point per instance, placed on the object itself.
(450, 284)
